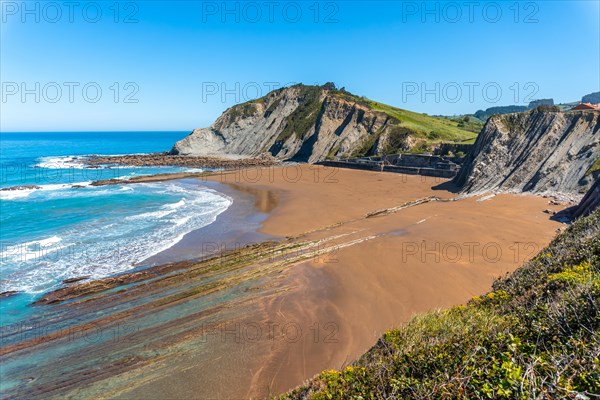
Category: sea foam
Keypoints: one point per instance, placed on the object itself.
(110, 242)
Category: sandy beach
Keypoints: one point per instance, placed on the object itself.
(349, 255)
(377, 274)
(217, 200)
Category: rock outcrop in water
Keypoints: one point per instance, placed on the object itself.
(539, 151)
(311, 123)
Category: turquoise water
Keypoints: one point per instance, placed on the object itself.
(55, 231)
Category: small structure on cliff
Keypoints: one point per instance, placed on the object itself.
(587, 106)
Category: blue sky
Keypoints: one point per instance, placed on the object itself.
(152, 65)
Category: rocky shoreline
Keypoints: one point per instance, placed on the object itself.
(168, 160)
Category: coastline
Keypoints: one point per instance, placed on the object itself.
(235, 228)
(338, 273)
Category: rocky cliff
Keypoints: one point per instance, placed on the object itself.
(589, 203)
(311, 123)
(593, 98)
(539, 151)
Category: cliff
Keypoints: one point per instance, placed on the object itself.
(589, 203)
(312, 123)
(593, 98)
(539, 151)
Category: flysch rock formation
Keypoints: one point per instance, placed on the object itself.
(542, 151)
(299, 123)
(590, 202)
(303, 123)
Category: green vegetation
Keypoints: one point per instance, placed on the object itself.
(468, 123)
(243, 110)
(484, 115)
(548, 108)
(428, 131)
(367, 145)
(534, 336)
(432, 129)
(273, 106)
(396, 140)
(305, 115)
(512, 122)
(595, 167)
(333, 151)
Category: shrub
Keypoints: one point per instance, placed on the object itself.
(534, 336)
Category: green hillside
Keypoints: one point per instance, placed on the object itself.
(430, 128)
(433, 129)
(534, 336)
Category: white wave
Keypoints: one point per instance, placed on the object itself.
(175, 206)
(181, 221)
(165, 210)
(113, 242)
(60, 162)
(150, 215)
(46, 242)
(15, 194)
(66, 162)
(128, 176)
(30, 251)
(25, 192)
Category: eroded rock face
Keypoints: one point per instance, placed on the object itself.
(539, 151)
(590, 202)
(302, 123)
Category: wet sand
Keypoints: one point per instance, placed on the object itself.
(236, 227)
(355, 253)
(380, 272)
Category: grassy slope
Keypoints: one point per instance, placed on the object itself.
(534, 336)
(432, 129)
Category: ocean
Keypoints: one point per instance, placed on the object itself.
(56, 226)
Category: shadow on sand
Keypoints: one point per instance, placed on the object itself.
(448, 186)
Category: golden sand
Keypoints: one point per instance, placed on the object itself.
(373, 274)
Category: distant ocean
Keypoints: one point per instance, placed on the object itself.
(55, 232)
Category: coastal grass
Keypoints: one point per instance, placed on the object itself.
(431, 128)
(535, 335)
(468, 123)
(426, 131)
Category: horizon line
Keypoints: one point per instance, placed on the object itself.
(99, 131)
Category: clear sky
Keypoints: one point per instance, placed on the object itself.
(153, 65)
